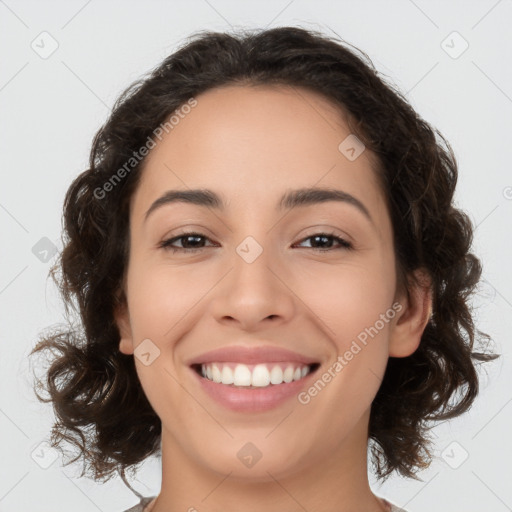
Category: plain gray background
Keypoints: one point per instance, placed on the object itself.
(52, 105)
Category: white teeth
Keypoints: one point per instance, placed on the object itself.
(227, 375)
(259, 376)
(216, 374)
(288, 374)
(276, 375)
(242, 375)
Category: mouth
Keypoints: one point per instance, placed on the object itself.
(254, 376)
(252, 379)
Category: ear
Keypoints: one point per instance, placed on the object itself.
(122, 320)
(416, 304)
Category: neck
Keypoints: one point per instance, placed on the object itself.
(337, 482)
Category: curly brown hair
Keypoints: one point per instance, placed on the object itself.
(99, 403)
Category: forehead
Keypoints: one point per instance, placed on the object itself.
(250, 143)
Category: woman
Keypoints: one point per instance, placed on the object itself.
(271, 278)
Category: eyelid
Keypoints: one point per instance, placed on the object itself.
(343, 241)
(165, 243)
(326, 229)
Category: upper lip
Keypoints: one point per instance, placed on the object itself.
(251, 355)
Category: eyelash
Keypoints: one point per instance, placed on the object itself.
(166, 244)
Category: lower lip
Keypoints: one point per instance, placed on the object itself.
(253, 399)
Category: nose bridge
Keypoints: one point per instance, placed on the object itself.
(252, 291)
(252, 263)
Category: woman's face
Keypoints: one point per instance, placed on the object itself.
(265, 276)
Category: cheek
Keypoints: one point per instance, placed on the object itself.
(159, 297)
(350, 298)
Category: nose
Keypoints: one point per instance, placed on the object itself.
(254, 293)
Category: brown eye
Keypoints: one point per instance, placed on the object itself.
(190, 242)
(324, 241)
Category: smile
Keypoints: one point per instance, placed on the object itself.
(252, 376)
(252, 379)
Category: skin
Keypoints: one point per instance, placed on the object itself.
(250, 145)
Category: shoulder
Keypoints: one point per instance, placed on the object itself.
(391, 507)
(144, 502)
(394, 508)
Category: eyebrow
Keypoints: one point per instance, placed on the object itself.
(291, 199)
